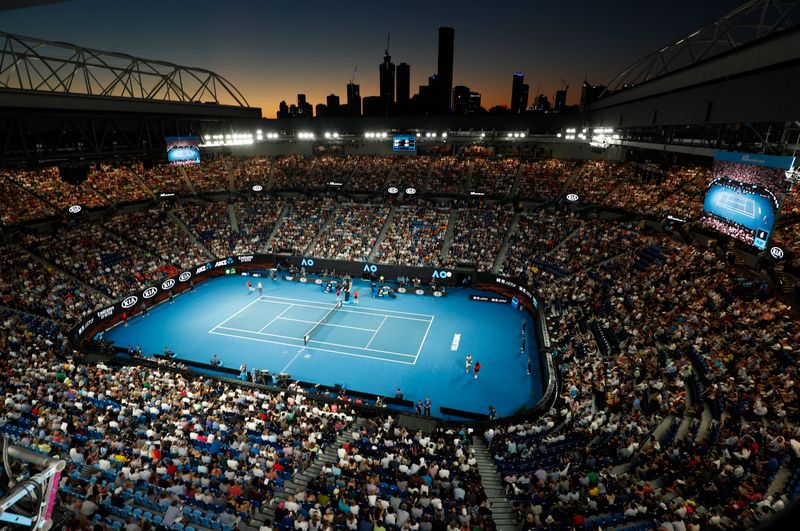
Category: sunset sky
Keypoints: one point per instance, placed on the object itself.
(271, 50)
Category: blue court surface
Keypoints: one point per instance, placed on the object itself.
(749, 210)
(416, 343)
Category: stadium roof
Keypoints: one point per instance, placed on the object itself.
(754, 20)
(37, 65)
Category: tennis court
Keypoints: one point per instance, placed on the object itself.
(415, 343)
(737, 203)
(356, 330)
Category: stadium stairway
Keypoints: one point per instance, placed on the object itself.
(192, 238)
(502, 512)
(136, 177)
(517, 181)
(388, 223)
(231, 177)
(566, 238)
(300, 481)
(469, 183)
(187, 180)
(232, 217)
(565, 188)
(512, 227)
(64, 272)
(309, 250)
(448, 235)
(277, 226)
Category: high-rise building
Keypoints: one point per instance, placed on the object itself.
(374, 106)
(283, 110)
(519, 93)
(403, 85)
(445, 70)
(332, 102)
(461, 99)
(590, 93)
(542, 103)
(387, 83)
(304, 109)
(353, 99)
(321, 110)
(561, 100)
(474, 102)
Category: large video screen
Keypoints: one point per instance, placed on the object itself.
(182, 150)
(744, 195)
(404, 143)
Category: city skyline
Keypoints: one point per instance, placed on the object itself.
(273, 55)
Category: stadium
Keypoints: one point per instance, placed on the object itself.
(560, 317)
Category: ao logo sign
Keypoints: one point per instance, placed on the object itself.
(776, 252)
(74, 209)
(442, 274)
(130, 301)
(307, 262)
(572, 197)
(149, 293)
(186, 275)
(257, 188)
(168, 284)
(370, 268)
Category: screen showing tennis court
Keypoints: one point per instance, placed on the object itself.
(744, 195)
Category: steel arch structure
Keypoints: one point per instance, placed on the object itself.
(753, 20)
(32, 64)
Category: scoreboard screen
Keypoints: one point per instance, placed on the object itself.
(182, 150)
(406, 143)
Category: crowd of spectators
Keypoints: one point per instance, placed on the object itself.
(256, 220)
(544, 179)
(210, 175)
(494, 176)
(251, 171)
(352, 232)
(536, 234)
(166, 179)
(370, 174)
(667, 420)
(211, 223)
(158, 233)
(478, 235)
(290, 172)
(447, 175)
(301, 223)
(22, 205)
(108, 262)
(597, 178)
(144, 438)
(415, 237)
(117, 183)
(40, 289)
(387, 477)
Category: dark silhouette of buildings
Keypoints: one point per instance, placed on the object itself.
(304, 109)
(374, 106)
(444, 74)
(465, 101)
(590, 93)
(283, 110)
(542, 103)
(561, 100)
(334, 109)
(403, 88)
(519, 93)
(321, 110)
(353, 99)
(386, 70)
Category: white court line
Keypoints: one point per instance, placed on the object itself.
(234, 315)
(311, 348)
(423, 341)
(276, 317)
(376, 332)
(316, 341)
(292, 361)
(367, 307)
(324, 324)
(341, 310)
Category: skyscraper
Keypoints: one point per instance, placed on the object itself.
(387, 83)
(460, 99)
(519, 93)
(445, 70)
(353, 99)
(333, 105)
(561, 99)
(403, 87)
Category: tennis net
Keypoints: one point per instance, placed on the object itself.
(316, 328)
